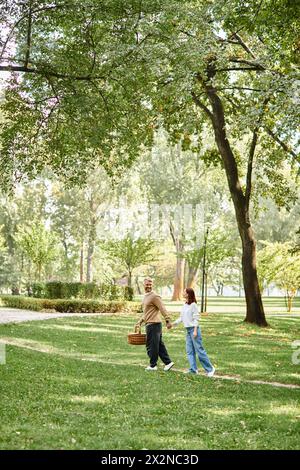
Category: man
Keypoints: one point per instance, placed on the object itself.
(152, 305)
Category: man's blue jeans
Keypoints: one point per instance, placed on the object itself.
(195, 348)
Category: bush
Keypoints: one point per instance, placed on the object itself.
(111, 292)
(78, 290)
(53, 290)
(88, 290)
(128, 294)
(37, 289)
(27, 303)
(70, 305)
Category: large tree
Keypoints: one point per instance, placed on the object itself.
(90, 82)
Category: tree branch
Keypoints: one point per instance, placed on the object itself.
(250, 167)
(258, 9)
(251, 154)
(48, 73)
(201, 105)
(172, 233)
(255, 64)
(240, 69)
(282, 144)
(241, 88)
(27, 55)
(243, 44)
(10, 34)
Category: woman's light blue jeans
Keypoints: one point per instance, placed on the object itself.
(195, 348)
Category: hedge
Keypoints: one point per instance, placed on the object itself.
(78, 290)
(70, 305)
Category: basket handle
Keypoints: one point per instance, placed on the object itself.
(137, 329)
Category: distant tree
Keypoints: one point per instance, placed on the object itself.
(7, 273)
(131, 253)
(39, 246)
(278, 264)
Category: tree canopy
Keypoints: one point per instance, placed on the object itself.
(91, 81)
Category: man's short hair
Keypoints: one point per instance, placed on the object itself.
(148, 279)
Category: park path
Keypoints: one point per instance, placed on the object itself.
(16, 315)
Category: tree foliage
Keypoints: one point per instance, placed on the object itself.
(279, 265)
(39, 246)
(131, 253)
(91, 82)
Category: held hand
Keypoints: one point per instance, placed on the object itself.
(195, 333)
(169, 325)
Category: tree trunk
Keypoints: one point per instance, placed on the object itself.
(240, 283)
(91, 240)
(89, 265)
(255, 311)
(179, 278)
(192, 275)
(39, 272)
(129, 278)
(180, 265)
(205, 294)
(138, 286)
(290, 298)
(290, 303)
(81, 264)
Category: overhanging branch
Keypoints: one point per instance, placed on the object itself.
(201, 105)
(252, 152)
(282, 144)
(250, 167)
(49, 73)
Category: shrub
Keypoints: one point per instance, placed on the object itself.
(18, 301)
(88, 290)
(128, 294)
(70, 305)
(78, 290)
(111, 292)
(37, 289)
(53, 290)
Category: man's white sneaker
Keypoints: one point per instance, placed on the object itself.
(168, 366)
(211, 373)
(151, 368)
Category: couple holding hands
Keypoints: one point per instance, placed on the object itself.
(152, 307)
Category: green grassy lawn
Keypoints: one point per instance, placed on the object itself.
(81, 386)
(272, 305)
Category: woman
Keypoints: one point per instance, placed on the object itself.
(189, 317)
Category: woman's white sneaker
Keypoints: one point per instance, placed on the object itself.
(211, 373)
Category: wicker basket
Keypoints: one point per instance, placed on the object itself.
(137, 338)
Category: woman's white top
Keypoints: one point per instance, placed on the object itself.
(189, 315)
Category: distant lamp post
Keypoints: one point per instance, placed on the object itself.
(204, 277)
